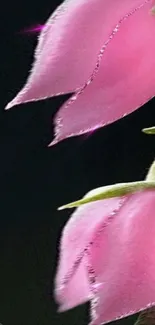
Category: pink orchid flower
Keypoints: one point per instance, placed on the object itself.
(107, 252)
(103, 51)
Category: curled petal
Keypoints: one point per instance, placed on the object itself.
(72, 283)
(124, 277)
(123, 81)
(69, 45)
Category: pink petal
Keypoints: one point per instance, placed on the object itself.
(33, 29)
(74, 291)
(68, 48)
(124, 78)
(122, 257)
(72, 283)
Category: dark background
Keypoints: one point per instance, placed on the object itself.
(35, 179)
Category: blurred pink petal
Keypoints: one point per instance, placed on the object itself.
(123, 81)
(72, 267)
(34, 29)
(67, 59)
(116, 242)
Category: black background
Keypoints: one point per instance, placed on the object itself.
(35, 179)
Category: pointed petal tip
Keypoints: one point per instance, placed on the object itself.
(52, 143)
(7, 107)
(61, 309)
(56, 141)
(13, 103)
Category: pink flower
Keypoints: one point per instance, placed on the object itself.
(107, 257)
(103, 51)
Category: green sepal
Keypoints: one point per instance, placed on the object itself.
(110, 191)
(149, 130)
